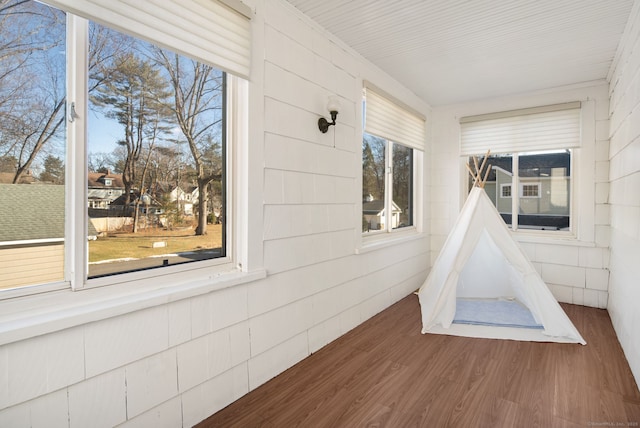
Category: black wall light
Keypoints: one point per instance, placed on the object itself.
(333, 106)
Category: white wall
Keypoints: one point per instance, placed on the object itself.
(575, 268)
(624, 194)
(179, 360)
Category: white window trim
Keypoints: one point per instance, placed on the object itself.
(583, 197)
(31, 311)
(503, 186)
(76, 248)
(572, 233)
(389, 191)
(36, 310)
(522, 195)
(379, 239)
(30, 316)
(204, 269)
(40, 309)
(371, 241)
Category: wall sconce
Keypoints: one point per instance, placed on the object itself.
(333, 106)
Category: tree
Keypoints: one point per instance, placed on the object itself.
(198, 93)
(164, 165)
(135, 95)
(101, 162)
(32, 79)
(373, 166)
(53, 170)
(8, 164)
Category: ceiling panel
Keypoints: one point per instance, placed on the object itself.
(450, 51)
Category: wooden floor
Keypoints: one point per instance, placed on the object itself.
(386, 374)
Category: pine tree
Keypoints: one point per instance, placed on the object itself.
(135, 95)
(53, 170)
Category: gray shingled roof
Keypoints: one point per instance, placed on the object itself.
(31, 211)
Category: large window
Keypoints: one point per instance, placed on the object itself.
(392, 137)
(539, 195)
(113, 148)
(530, 180)
(386, 162)
(32, 143)
(156, 143)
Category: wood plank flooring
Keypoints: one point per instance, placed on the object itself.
(385, 373)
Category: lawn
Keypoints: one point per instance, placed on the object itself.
(140, 245)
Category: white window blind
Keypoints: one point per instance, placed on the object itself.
(388, 120)
(216, 32)
(539, 128)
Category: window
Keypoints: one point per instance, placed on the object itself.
(61, 227)
(389, 151)
(386, 162)
(154, 144)
(32, 144)
(537, 144)
(505, 191)
(543, 199)
(530, 190)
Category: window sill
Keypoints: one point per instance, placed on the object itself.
(559, 238)
(383, 240)
(35, 315)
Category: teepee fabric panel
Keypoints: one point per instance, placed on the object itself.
(480, 259)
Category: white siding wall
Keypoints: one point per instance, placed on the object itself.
(576, 269)
(176, 363)
(624, 194)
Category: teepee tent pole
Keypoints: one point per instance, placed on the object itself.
(473, 175)
(477, 176)
(486, 175)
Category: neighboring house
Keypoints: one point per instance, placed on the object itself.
(32, 233)
(374, 214)
(185, 199)
(103, 189)
(544, 188)
(148, 204)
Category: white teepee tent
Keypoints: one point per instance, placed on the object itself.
(480, 261)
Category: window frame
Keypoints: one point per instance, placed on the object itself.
(202, 268)
(582, 141)
(515, 200)
(400, 121)
(502, 188)
(76, 191)
(538, 187)
(388, 193)
(31, 311)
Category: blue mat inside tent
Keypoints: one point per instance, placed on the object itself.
(494, 312)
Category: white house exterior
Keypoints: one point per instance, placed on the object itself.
(374, 214)
(103, 188)
(185, 199)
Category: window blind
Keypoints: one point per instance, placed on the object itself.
(387, 119)
(539, 128)
(216, 32)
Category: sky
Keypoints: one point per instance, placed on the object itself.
(103, 133)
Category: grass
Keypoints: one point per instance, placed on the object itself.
(140, 245)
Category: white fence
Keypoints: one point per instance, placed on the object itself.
(110, 224)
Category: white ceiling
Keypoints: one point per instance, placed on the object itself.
(451, 51)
